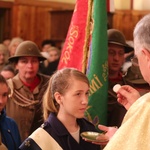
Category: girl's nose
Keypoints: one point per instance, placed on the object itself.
(85, 100)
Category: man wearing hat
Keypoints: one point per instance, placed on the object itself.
(27, 89)
(117, 47)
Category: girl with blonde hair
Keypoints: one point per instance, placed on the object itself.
(64, 104)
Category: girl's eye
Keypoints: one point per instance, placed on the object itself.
(87, 93)
(78, 93)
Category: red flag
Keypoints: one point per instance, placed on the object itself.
(73, 53)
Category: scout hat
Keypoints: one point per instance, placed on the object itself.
(117, 37)
(27, 48)
(133, 74)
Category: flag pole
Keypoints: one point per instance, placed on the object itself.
(87, 36)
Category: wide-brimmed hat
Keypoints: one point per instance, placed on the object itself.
(26, 48)
(116, 37)
(133, 74)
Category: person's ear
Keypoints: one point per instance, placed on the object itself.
(146, 54)
(58, 97)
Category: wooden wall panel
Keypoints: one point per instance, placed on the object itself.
(125, 21)
(60, 21)
(24, 24)
(33, 21)
(38, 20)
(4, 4)
(42, 24)
(5, 19)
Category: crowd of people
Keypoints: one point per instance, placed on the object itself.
(27, 86)
(37, 101)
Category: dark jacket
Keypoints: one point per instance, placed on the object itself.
(50, 69)
(116, 111)
(57, 130)
(9, 132)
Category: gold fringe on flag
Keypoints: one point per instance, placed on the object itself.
(88, 32)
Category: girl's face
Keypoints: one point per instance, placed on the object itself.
(74, 102)
(3, 95)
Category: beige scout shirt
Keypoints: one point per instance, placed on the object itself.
(24, 106)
